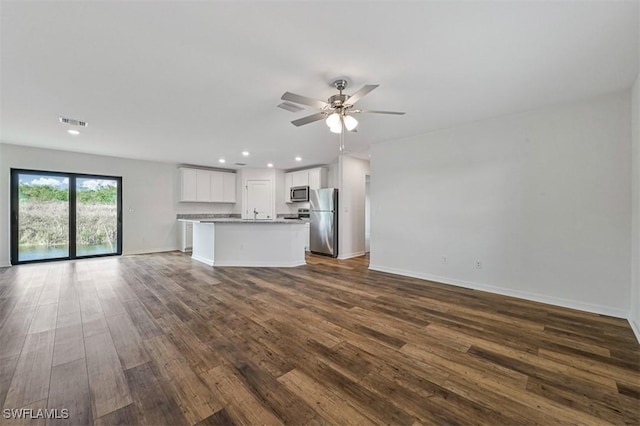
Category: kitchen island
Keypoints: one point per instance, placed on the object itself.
(240, 242)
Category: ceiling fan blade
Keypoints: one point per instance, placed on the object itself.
(289, 106)
(299, 99)
(370, 111)
(308, 119)
(360, 94)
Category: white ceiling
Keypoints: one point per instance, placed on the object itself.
(190, 82)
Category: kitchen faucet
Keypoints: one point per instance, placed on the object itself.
(255, 214)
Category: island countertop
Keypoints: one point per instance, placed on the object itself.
(231, 241)
(243, 221)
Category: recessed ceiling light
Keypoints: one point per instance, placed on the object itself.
(73, 132)
(222, 160)
(245, 153)
(298, 158)
(270, 165)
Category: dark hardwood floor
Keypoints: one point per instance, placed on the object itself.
(161, 339)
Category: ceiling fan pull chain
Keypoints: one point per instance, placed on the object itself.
(342, 148)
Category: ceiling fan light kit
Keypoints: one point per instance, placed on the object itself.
(333, 120)
(350, 122)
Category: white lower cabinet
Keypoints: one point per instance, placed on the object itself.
(186, 236)
(307, 244)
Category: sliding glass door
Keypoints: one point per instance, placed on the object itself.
(64, 216)
(97, 210)
(43, 212)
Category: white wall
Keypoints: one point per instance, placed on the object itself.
(352, 173)
(634, 314)
(367, 214)
(150, 194)
(542, 199)
(333, 181)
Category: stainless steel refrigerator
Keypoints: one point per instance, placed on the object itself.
(323, 212)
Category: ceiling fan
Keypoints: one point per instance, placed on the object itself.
(336, 111)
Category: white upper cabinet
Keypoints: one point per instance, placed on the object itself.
(188, 185)
(217, 187)
(288, 183)
(300, 178)
(203, 185)
(207, 186)
(317, 178)
(229, 187)
(314, 178)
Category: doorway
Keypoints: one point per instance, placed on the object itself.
(57, 216)
(259, 203)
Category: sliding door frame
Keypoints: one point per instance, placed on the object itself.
(14, 196)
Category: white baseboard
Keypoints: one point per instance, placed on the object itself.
(148, 251)
(635, 327)
(259, 264)
(350, 255)
(551, 300)
(203, 260)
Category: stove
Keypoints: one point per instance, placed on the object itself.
(304, 214)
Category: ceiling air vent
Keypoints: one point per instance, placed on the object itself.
(241, 164)
(73, 122)
(290, 107)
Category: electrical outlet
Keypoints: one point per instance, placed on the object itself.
(478, 264)
(444, 260)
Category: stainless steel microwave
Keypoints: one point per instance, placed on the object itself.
(299, 193)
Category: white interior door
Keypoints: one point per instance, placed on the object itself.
(259, 205)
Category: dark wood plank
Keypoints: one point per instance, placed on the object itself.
(126, 341)
(30, 381)
(331, 406)
(177, 377)
(153, 404)
(219, 418)
(273, 394)
(240, 403)
(166, 340)
(26, 420)
(14, 331)
(44, 318)
(70, 390)
(125, 416)
(141, 319)
(7, 368)
(107, 384)
(69, 345)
